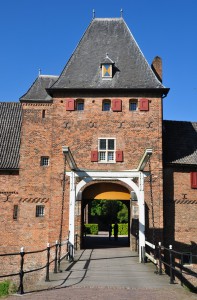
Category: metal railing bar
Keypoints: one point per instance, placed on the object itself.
(9, 275)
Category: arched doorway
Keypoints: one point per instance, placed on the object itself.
(109, 198)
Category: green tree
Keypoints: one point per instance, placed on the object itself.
(109, 211)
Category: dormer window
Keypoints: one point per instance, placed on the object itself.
(107, 67)
(107, 71)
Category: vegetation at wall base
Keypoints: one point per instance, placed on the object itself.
(7, 287)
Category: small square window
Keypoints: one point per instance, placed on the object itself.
(44, 161)
(133, 105)
(80, 105)
(39, 210)
(106, 105)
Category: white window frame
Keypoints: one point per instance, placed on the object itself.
(104, 154)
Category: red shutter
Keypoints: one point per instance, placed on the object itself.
(144, 104)
(194, 180)
(70, 104)
(117, 105)
(119, 156)
(94, 155)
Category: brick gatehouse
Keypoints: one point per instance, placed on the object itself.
(96, 131)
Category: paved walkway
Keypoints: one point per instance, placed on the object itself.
(105, 272)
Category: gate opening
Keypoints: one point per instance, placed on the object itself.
(103, 205)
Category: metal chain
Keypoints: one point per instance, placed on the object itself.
(151, 199)
(62, 208)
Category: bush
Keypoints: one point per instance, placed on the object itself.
(91, 228)
(122, 229)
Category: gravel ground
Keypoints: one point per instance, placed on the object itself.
(105, 293)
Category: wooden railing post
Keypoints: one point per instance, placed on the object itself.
(21, 273)
(47, 264)
(160, 265)
(55, 262)
(171, 265)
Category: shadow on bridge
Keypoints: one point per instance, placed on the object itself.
(102, 241)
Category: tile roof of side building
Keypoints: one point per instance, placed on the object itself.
(10, 124)
(180, 142)
(110, 37)
(37, 91)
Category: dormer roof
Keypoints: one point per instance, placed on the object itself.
(107, 60)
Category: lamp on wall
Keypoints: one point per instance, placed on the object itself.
(133, 196)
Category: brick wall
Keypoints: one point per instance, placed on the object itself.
(134, 131)
(180, 208)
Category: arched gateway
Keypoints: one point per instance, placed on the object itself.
(134, 179)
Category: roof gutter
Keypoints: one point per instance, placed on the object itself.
(159, 91)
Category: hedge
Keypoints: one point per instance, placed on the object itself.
(91, 228)
(122, 229)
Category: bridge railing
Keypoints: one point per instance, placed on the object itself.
(182, 265)
(54, 259)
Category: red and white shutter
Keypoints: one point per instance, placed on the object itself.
(193, 176)
(144, 104)
(94, 155)
(70, 104)
(119, 156)
(117, 105)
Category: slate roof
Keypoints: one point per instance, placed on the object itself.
(111, 37)
(180, 142)
(37, 92)
(10, 128)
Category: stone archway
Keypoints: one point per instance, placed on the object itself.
(107, 192)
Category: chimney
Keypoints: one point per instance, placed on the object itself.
(157, 67)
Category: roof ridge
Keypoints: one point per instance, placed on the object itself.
(108, 19)
(48, 76)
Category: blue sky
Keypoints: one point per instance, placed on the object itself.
(44, 33)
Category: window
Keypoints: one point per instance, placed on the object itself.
(80, 105)
(106, 105)
(107, 70)
(133, 105)
(15, 212)
(72, 104)
(106, 150)
(44, 161)
(43, 113)
(39, 210)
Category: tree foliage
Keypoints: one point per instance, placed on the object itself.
(110, 210)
